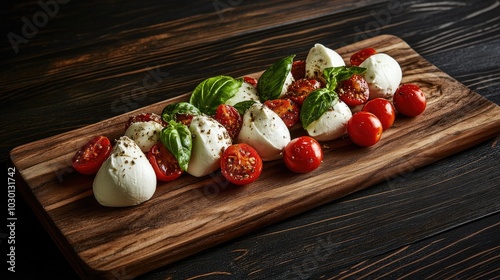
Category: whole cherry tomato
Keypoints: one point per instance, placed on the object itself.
(409, 100)
(303, 154)
(89, 158)
(360, 56)
(240, 164)
(364, 129)
(164, 163)
(383, 109)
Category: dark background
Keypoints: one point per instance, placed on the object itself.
(439, 221)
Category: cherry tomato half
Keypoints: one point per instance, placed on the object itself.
(288, 110)
(303, 154)
(354, 91)
(383, 109)
(301, 88)
(185, 119)
(230, 118)
(364, 129)
(409, 100)
(164, 163)
(250, 80)
(360, 56)
(298, 69)
(89, 158)
(241, 164)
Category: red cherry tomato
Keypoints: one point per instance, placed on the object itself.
(354, 91)
(383, 109)
(288, 110)
(89, 158)
(164, 163)
(301, 88)
(250, 80)
(409, 100)
(364, 129)
(360, 56)
(303, 154)
(230, 118)
(241, 164)
(298, 69)
(145, 117)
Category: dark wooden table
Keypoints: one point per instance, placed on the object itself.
(67, 64)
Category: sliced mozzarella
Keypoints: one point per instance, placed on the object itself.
(265, 131)
(145, 134)
(332, 124)
(126, 178)
(383, 75)
(244, 93)
(210, 139)
(319, 58)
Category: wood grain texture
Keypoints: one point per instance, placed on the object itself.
(192, 214)
(450, 255)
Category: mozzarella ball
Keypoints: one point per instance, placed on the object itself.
(265, 131)
(210, 139)
(332, 124)
(126, 178)
(319, 58)
(245, 92)
(145, 134)
(383, 75)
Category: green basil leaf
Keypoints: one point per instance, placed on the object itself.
(316, 104)
(271, 82)
(335, 75)
(177, 139)
(171, 110)
(214, 91)
(243, 106)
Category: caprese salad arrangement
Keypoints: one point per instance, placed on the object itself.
(237, 124)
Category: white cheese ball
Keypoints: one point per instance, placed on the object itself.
(319, 58)
(210, 139)
(383, 75)
(244, 93)
(332, 124)
(145, 134)
(265, 131)
(126, 178)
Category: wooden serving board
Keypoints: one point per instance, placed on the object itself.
(192, 214)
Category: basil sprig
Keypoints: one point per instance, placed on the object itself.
(177, 139)
(172, 110)
(270, 83)
(214, 91)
